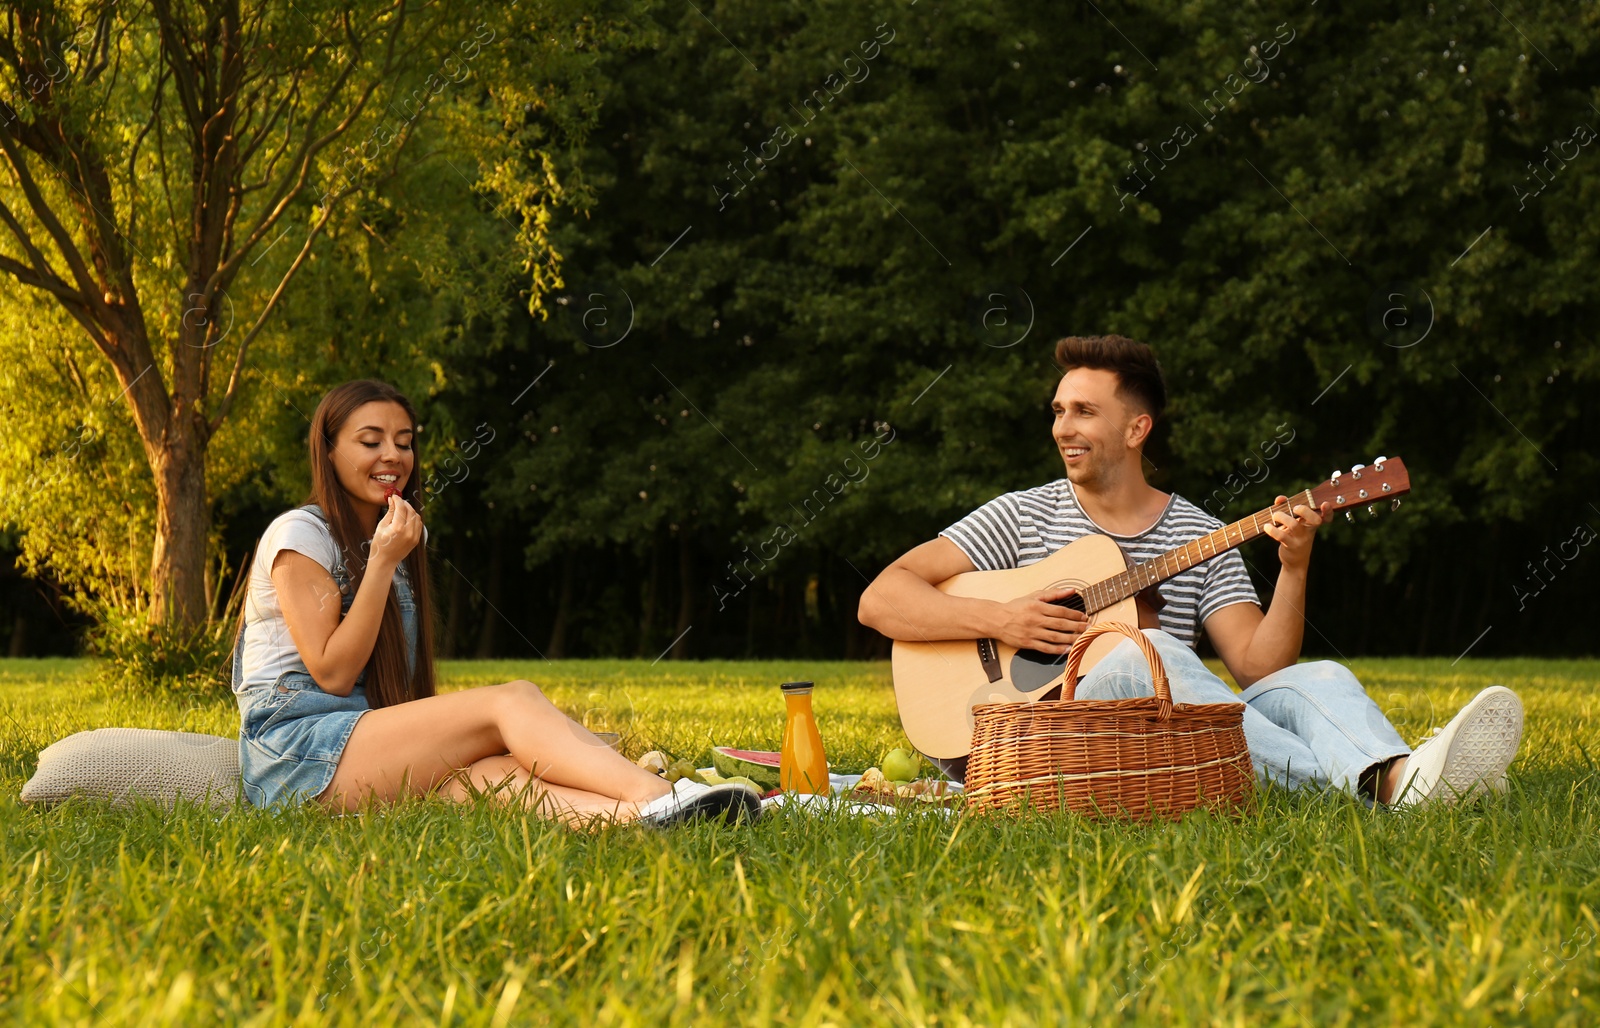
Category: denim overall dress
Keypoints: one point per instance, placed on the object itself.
(292, 733)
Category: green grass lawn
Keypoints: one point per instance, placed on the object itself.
(1311, 910)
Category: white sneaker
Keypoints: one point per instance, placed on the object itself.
(1469, 755)
(690, 799)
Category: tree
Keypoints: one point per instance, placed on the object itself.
(236, 103)
(174, 165)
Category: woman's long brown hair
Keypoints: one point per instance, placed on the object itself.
(387, 681)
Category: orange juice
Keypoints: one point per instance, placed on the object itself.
(802, 767)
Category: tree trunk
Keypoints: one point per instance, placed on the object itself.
(557, 648)
(828, 602)
(805, 610)
(1427, 609)
(750, 620)
(777, 626)
(458, 600)
(235, 110)
(647, 617)
(680, 648)
(850, 602)
(491, 616)
(183, 523)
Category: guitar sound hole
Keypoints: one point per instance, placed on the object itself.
(1032, 670)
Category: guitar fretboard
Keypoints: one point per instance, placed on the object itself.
(1141, 576)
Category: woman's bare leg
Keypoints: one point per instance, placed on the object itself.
(509, 782)
(407, 748)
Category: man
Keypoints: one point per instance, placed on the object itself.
(1306, 724)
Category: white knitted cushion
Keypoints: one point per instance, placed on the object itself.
(117, 763)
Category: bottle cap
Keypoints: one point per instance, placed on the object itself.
(796, 688)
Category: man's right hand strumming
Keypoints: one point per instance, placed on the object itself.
(1033, 622)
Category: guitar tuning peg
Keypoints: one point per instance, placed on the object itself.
(1349, 517)
(1377, 465)
(1355, 470)
(1334, 478)
(1394, 504)
(1372, 509)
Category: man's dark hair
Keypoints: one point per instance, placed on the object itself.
(1137, 370)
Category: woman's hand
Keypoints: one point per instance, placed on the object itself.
(397, 534)
(1032, 622)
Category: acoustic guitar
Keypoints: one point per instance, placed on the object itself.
(936, 684)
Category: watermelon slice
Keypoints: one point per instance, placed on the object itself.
(760, 766)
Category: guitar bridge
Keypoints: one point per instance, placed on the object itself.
(990, 659)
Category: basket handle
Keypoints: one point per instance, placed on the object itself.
(1158, 671)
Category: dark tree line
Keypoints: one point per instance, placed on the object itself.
(810, 229)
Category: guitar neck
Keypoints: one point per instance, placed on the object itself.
(1174, 562)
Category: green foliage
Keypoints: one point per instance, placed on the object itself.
(380, 251)
(985, 140)
(142, 657)
(997, 169)
(593, 170)
(1313, 910)
(72, 476)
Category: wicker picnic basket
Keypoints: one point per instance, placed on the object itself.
(1135, 759)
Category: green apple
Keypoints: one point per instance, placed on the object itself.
(901, 765)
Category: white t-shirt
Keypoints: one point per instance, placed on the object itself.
(269, 648)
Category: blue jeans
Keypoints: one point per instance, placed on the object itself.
(1308, 725)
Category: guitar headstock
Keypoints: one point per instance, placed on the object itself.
(1364, 485)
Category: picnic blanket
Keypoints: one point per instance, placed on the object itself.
(121, 764)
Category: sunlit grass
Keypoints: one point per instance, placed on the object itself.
(1311, 910)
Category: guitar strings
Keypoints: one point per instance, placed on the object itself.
(1119, 587)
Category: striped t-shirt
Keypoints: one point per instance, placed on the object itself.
(1025, 527)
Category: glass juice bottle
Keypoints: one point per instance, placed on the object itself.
(802, 767)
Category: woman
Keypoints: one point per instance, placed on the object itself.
(333, 667)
